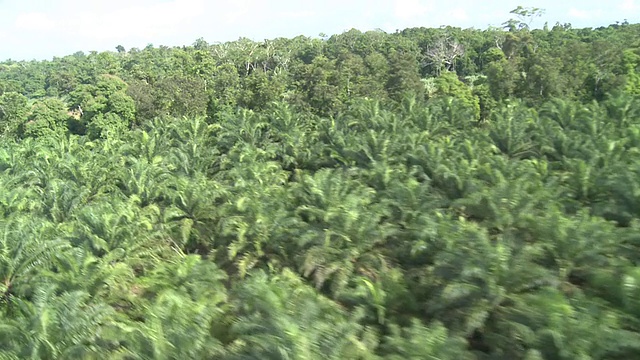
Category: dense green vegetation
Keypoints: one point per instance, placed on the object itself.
(428, 194)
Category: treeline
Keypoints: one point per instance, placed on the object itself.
(323, 76)
(427, 194)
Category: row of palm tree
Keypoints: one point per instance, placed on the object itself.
(411, 231)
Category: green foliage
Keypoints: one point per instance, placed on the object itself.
(180, 96)
(47, 116)
(281, 317)
(448, 85)
(104, 107)
(13, 112)
(428, 194)
(106, 125)
(523, 14)
(404, 76)
(422, 342)
(632, 64)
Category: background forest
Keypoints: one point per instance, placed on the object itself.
(426, 194)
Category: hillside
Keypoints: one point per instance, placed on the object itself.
(428, 194)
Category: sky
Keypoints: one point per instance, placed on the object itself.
(41, 29)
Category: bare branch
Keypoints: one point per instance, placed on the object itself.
(443, 53)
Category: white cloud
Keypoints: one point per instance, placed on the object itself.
(240, 12)
(297, 14)
(629, 5)
(583, 14)
(459, 13)
(410, 9)
(134, 21)
(34, 21)
(64, 26)
(580, 14)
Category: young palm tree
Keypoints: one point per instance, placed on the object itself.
(279, 316)
(194, 213)
(149, 181)
(27, 247)
(337, 238)
(65, 326)
(510, 131)
(185, 307)
(424, 342)
(194, 147)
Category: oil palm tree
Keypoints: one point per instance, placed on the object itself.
(193, 145)
(185, 306)
(26, 248)
(510, 131)
(337, 238)
(279, 316)
(65, 326)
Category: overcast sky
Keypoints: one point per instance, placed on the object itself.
(42, 29)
